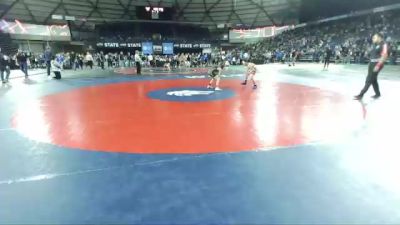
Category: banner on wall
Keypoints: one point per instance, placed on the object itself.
(243, 35)
(27, 31)
(192, 45)
(147, 48)
(118, 45)
(168, 48)
(140, 45)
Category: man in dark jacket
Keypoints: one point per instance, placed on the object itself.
(22, 61)
(47, 59)
(378, 56)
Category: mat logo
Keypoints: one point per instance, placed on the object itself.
(189, 93)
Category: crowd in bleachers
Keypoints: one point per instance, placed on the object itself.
(349, 39)
(153, 32)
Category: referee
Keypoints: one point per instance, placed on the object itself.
(138, 62)
(328, 55)
(378, 56)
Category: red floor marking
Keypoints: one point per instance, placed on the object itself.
(121, 118)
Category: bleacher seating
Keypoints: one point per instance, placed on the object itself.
(349, 39)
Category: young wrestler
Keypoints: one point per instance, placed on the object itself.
(215, 75)
(251, 72)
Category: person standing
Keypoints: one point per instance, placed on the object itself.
(378, 56)
(47, 59)
(107, 58)
(175, 61)
(121, 59)
(80, 61)
(292, 57)
(89, 60)
(138, 62)
(129, 59)
(102, 59)
(251, 72)
(327, 59)
(4, 67)
(72, 59)
(22, 62)
(216, 76)
(150, 60)
(76, 61)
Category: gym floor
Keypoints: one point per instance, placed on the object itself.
(112, 147)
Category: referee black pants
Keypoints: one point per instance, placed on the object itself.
(326, 62)
(372, 79)
(48, 67)
(138, 68)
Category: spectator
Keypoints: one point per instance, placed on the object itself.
(4, 67)
(22, 62)
(89, 60)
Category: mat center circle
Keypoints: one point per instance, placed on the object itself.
(191, 94)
